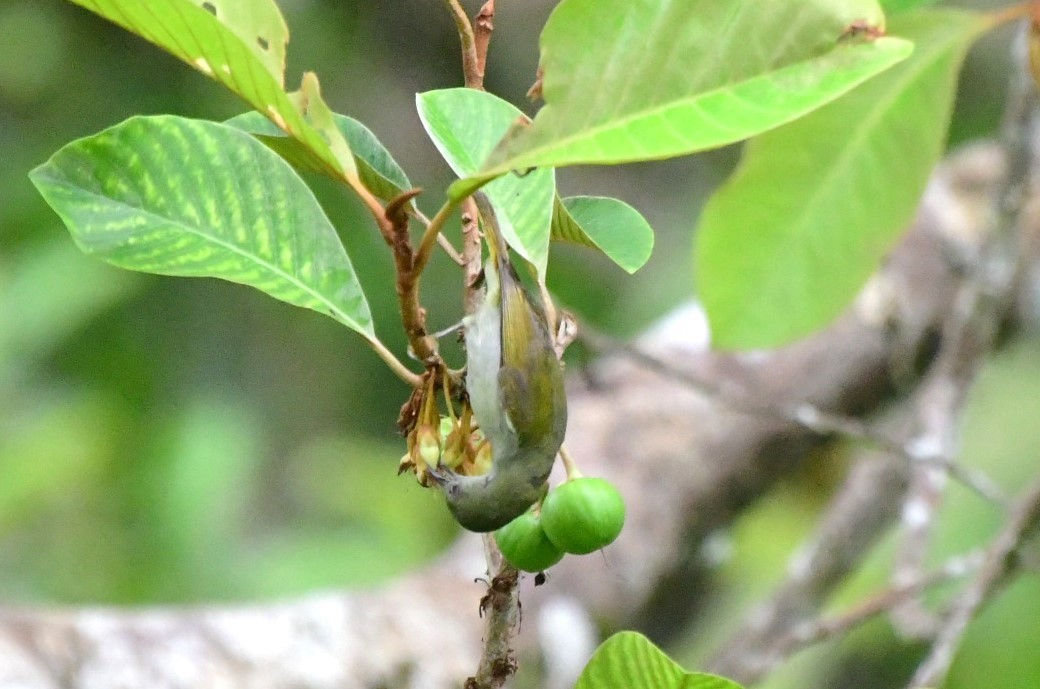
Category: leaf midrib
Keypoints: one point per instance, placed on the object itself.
(595, 131)
(234, 249)
(867, 125)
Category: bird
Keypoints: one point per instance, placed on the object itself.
(514, 380)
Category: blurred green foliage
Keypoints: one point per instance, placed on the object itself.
(175, 440)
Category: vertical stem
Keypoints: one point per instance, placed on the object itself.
(472, 74)
(484, 25)
(470, 253)
(569, 464)
(409, 265)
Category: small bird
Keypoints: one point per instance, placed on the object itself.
(515, 385)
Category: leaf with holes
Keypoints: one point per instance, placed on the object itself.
(234, 48)
(626, 81)
(378, 170)
(632, 661)
(260, 25)
(465, 124)
(787, 242)
(175, 196)
(607, 224)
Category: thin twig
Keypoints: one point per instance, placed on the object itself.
(999, 563)
(858, 514)
(569, 465)
(452, 252)
(433, 230)
(810, 632)
(815, 631)
(443, 241)
(804, 414)
(396, 365)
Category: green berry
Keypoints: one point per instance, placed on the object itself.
(583, 515)
(525, 545)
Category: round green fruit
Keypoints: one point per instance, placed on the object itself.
(524, 543)
(583, 515)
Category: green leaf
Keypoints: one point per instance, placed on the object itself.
(175, 196)
(894, 6)
(465, 124)
(632, 80)
(787, 242)
(378, 170)
(376, 166)
(228, 47)
(629, 660)
(319, 115)
(607, 224)
(260, 26)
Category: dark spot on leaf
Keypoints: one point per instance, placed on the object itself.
(210, 7)
(861, 31)
(262, 42)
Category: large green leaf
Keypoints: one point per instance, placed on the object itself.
(607, 224)
(629, 660)
(226, 40)
(787, 242)
(175, 196)
(465, 124)
(628, 80)
(378, 170)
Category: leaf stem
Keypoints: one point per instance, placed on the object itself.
(403, 372)
(429, 238)
(569, 464)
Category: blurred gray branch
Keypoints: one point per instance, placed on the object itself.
(688, 460)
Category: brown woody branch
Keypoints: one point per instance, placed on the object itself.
(472, 71)
(409, 266)
(483, 26)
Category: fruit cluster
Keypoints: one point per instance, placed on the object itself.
(579, 516)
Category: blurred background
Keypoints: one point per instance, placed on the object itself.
(173, 440)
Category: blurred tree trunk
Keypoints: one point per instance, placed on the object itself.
(691, 437)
